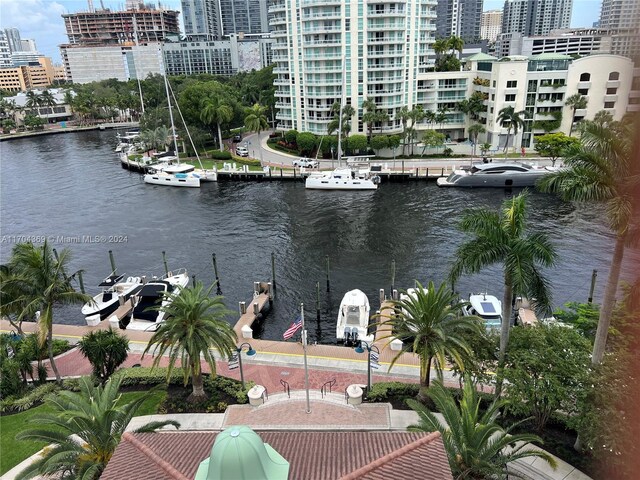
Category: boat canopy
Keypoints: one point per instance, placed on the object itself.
(111, 280)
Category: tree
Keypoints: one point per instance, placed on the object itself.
(473, 105)
(291, 136)
(195, 324)
(394, 143)
(449, 61)
(503, 238)
(575, 102)
(432, 139)
(369, 117)
(357, 143)
(404, 116)
(429, 323)
(106, 350)
(379, 142)
(40, 277)
(306, 142)
(256, 121)
(602, 169)
(47, 99)
(416, 115)
(581, 316)
(33, 101)
(511, 120)
(554, 145)
(84, 429)
(214, 111)
(475, 130)
(546, 369)
(477, 447)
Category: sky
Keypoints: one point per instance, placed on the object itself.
(42, 21)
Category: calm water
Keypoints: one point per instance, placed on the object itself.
(72, 185)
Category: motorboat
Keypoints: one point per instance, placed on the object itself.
(179, 175)
(495, 174)
(114, 293)
(156, 293)
(353, 318)
(126, 140)
(487, 307)
(345, 178)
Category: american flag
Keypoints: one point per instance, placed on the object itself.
(295, 326)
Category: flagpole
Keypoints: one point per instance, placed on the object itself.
(304, 350)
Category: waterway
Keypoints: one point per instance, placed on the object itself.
(71, 189)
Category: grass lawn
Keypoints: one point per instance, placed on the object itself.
(14, 452)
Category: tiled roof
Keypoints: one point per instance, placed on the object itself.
(312, 455)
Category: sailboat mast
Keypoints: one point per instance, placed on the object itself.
(173, 126)
(342, 102)
(135, 34)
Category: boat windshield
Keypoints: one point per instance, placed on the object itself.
(453, 178)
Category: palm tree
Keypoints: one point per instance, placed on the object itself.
(42, 282)
(416, 115)
(195, 324)
(369, 117)
(477, 447)
(502, 238)
(429, 324)
(511, 120)
(440, 46)
(404, 116)
(214, 111)
(106, 350)
(602, 168)
(455, 44)
(475, 130)
(576, 102)
(33, 101)
(47, 99)
(84, 429)
(256, 121)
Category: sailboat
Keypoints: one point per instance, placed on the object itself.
(343, 178)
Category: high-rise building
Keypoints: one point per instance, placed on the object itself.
(28, 45)
(620, 14)
(535, 17)
(13, 39)
(460, 18)
(376, 48)
(491, 25)
(220, 18)
(5, 51)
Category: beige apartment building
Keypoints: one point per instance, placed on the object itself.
(26, 77)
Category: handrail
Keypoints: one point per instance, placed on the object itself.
(329, 384)
(285, 384)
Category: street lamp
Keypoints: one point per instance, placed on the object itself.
(251, 352)
(369, 349)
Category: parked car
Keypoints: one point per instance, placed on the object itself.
(305, 162)
(242, 151)
(237, 138)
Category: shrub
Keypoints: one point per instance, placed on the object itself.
(385, 391)
(10, 383)
(231, 387)
(218, 155)
(106, 350)
(149, 376)
(447, 152)
(25, 402)
(291, 136)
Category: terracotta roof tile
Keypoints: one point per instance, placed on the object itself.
(312, 455)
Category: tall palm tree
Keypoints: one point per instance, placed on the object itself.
(511, 120)
(256, 121)
(214, 111)
(455, 44)
(503, 238)
(416, 115)
(429, 323)
(404, 116)
(603, 168)
(47, 99)
(576, 101)
(33, 101)
(84, 429)
(475, 130)
(369, 117)
(196, 323)
(41, 279)
(477, 447)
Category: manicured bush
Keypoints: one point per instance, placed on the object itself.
(306, 142)
(149, 376)
(218, 155)
(231, 387)
(386, 391)
(291, 136)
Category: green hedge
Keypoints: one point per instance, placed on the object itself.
(385, 391)
(149, 376)
(218, 155)
(246, 161)
(231, 387)
(25, 402)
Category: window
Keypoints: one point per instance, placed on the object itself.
(494, 84)
(512, 84)
(585, 77)
(583, 91)
(614, 76)
(510, 98)
(612, 91)
(609, 104)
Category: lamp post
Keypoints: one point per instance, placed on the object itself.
(251, 352)
(369, 349)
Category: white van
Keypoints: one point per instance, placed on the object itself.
(242, 151)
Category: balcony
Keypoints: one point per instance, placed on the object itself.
(306, 3)
(582, 85)
(326, 15)
(323, 29)
(279, 20)
(613, 84)
(384, 66)
(390, 12)
(282, 81)
(277, 7)
(386, 40)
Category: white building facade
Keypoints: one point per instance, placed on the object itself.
(491, 25)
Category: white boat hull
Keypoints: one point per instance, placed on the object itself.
(172, 180)
(353, 318)
(335, 184)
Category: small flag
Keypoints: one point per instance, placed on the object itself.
(295, 326)
(374, 360)
(233, 362)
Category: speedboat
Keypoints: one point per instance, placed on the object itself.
(126, 140)
(495, 174)
(114, 293)
(344, 178)
(353, 318)
(156, 293)
(180, 175)
(487, 307)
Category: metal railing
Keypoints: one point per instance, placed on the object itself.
(327, 385)
(287, 389)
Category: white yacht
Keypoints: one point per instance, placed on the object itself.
(156, 293)
(495, 174)
(344, 178)
(487, 307)
(114, 293)
(126, 140)
(179, 175)
(353, 318)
